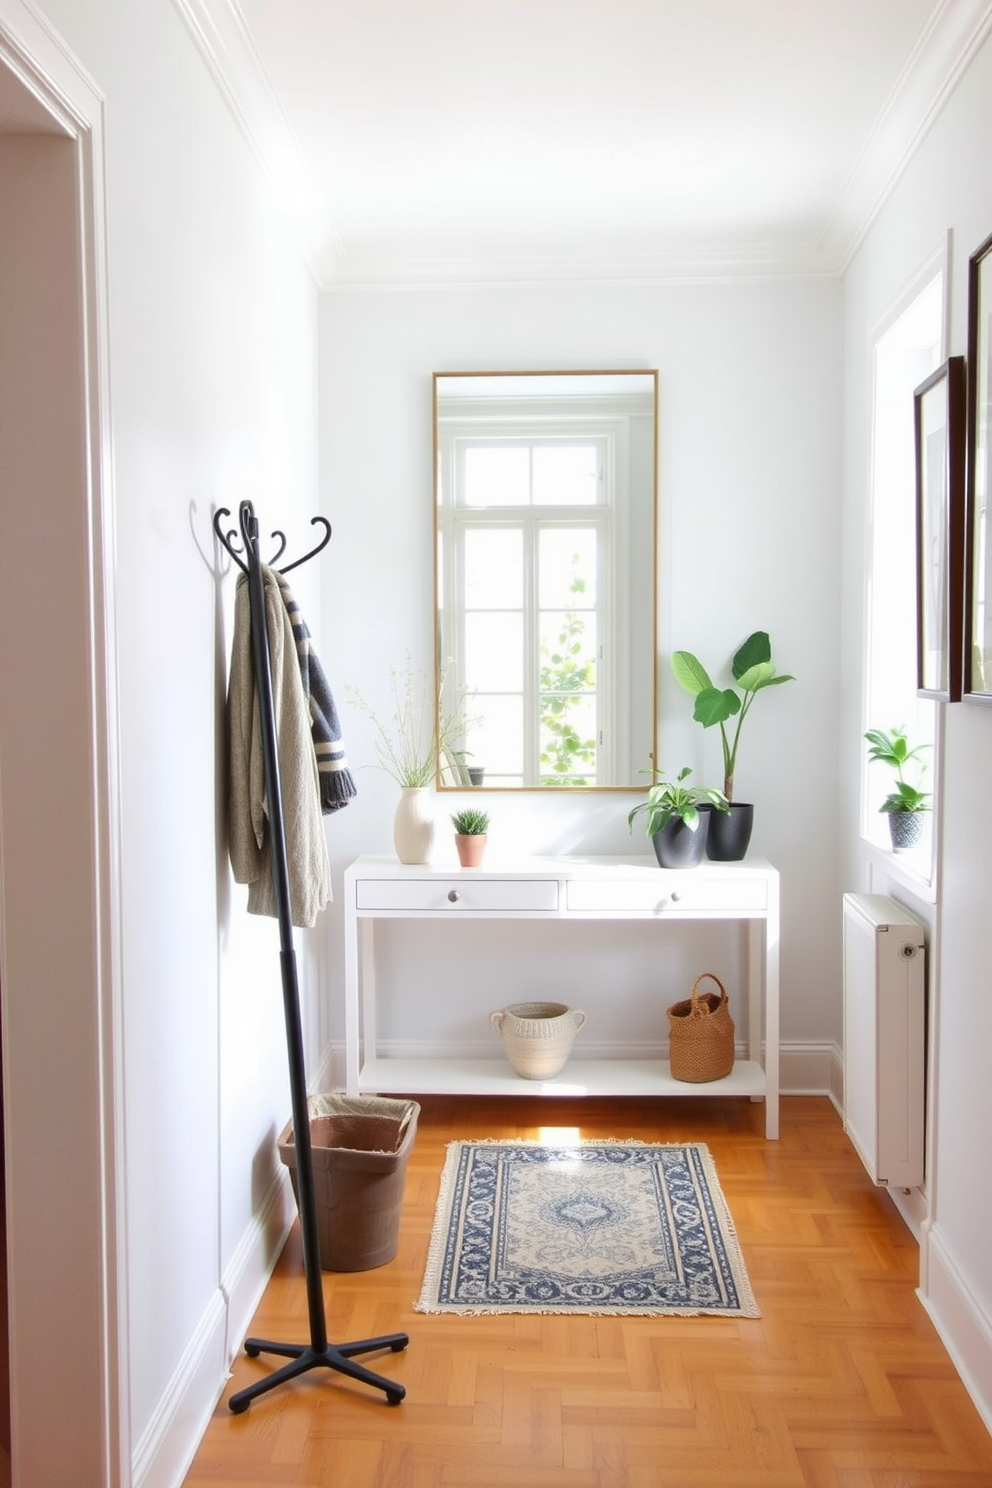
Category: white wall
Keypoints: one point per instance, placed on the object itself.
(212, 390)
(947, 187)
(213, 383)
(750, 472)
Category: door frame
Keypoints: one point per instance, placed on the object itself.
(60, 938)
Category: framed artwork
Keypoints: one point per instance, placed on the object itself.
(940, 422)
(978, 552)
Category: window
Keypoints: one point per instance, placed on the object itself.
(529, 572)
(906, 352)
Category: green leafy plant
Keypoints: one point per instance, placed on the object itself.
(752, 670)
(668, 799)
(567, 675)
(891, 747)
(471, 822)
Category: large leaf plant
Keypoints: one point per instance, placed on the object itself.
(752, 670)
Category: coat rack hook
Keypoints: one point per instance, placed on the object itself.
(229, 538)
(314, 522)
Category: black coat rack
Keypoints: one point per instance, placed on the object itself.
(318, 1353)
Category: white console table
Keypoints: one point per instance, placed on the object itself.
(561, 889)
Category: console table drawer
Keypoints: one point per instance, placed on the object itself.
(457, 895)
(649, 896)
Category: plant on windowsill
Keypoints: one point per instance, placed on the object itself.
(677, 827)
(471, 831)
(906, 804)
(753, 670)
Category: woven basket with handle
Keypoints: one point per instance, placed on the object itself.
(701, 1034)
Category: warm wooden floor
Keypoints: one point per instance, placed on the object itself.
(842, 1383)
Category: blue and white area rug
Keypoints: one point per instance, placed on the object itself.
(600, 1227)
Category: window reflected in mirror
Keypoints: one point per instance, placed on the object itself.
(545, 523)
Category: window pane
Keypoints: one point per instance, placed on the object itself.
(497, 475)
(496, 740)
(565, 475)
(568, 740)
(494, 568)
(566, 567)
(494, 651)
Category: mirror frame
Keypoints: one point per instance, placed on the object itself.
(598, 372)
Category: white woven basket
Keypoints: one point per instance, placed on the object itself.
(538, 1036)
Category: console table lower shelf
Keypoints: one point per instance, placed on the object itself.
(640, 1077)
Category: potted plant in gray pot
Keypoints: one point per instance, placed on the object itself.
(753, 670)
(906, 803)
(674, 819)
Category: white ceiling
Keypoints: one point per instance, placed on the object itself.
(438, 140)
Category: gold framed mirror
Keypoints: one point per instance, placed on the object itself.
(545, 577)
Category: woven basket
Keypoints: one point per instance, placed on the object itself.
(701, 1035)
(538, 1036)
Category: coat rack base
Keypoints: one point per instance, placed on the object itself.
(304, 1357)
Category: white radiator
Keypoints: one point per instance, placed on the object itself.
(884, 1018)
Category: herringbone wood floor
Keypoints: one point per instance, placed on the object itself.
(842, 1383)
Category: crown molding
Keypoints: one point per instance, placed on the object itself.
(567, 269)
(952, 37)
(221, 36)
(950, 40)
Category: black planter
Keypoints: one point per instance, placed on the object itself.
(730, 832)
(678, 846)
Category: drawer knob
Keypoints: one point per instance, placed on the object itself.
(453, 896)
(676, 896)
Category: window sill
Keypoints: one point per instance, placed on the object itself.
(914, 871)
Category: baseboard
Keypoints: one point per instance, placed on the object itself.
(162, 1457)
(965, 1329)
(811, 1069)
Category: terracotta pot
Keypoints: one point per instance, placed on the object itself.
(471, 849)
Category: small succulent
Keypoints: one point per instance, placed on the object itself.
(471, 822)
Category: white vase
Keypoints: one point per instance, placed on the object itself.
(413, 824)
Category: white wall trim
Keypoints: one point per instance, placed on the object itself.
(169, 1443)
(33, 53)
(964, 1326)
(221, 37)
(955, 32)
(953, 35)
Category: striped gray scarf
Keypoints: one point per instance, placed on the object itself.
(337, 787)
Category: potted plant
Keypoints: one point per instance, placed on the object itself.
(906, 803)
(471, 829)
(753, 670)
(674, 819)
(410, 749)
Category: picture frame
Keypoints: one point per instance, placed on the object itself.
(940, 438)
(977, 685)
